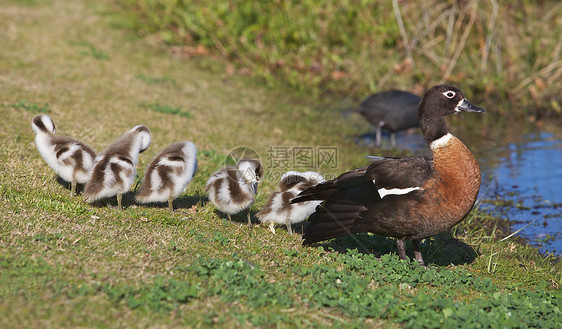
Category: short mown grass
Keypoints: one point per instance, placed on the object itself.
(67, 263)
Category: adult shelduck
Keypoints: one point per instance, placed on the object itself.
(115, 168)
(168, 174)
(280, 210)
(233, 189)
(72, 160)
(405, 198)
(392, 110)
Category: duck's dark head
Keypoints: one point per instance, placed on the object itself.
(442, 100)
(438, 102)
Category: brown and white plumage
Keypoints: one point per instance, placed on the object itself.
(405, 198)
(168, 174)
(115, 168)
(279, 208)
(233, 189)
(71, 159)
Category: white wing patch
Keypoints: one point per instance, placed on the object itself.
(397, 191)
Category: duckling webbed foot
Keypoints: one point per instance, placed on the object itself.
(272, 227)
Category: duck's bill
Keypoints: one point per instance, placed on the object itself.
(465, 105)
(255, 187)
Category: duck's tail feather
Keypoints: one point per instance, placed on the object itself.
(332, 220)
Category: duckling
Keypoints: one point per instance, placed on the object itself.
(115, 169)
(405, 198)
(392, 110)
(234, 189)
(168, 174)
(72, 160)
(278, 208)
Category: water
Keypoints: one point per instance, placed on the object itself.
(528, 175)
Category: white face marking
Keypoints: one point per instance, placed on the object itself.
(449, 94)
(397, 191)
(457, 108)
(440, 142)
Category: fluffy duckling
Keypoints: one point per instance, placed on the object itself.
(115, 169)
(168, 174)
(234, 189)
(72, 160)
(279, 208)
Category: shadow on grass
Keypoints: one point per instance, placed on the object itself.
(441, 250)
(66, 185)
(184, 202)
(241, 217)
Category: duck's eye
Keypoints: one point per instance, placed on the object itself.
(449, 94)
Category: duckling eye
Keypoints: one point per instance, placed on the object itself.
(449, 94)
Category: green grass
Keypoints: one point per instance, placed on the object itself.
(66, 263)
(506, 53)
(166, 109)
(30, 107)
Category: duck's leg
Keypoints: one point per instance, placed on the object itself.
(171, 204)
(393, 139)
(378, 136)
(73, 187)
(119, 199)
(289, 226)
(417, 251)
(229, 218)
(249, 218)
(401, 245)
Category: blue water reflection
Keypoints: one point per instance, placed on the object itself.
(529, 174)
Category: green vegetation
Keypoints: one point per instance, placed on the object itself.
(65, 263)
(499, 50)
(30, 107)
(151, 80)
(91, 50)
(166, 109)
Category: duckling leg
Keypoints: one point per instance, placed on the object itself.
(393, 139)
(249, 219)
(417, 251)
(401, 245)
(119, 199)
(171, 204)
(289, 226)
(73, 187)
(272, 227)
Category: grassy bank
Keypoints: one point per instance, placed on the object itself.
(65, 263)
(502, 51)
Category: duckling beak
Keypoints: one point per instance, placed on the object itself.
(255, 187)
(465, 105)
